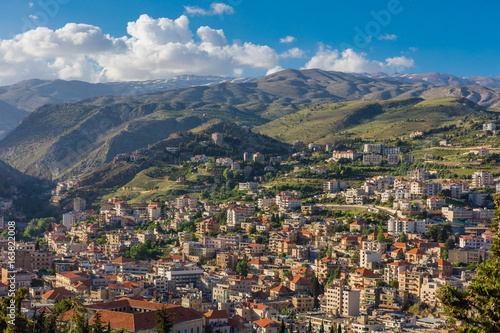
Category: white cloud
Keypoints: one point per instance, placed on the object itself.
(288, 39)
(212, 36)
(216, 8)
(154, 48)
(351, 61)
(30, 4)
(413, 49)
(160, 31)
(387, 37)
(293, 53)
(273, 70)
(33, 17)
(400, 62)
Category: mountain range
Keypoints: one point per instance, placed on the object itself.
(17, 100)
(58, 140)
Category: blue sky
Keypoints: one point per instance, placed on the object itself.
(243, 37)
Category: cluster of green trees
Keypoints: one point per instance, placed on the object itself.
(477, 309)
(439, 232)
(37, 227)
(145, 250)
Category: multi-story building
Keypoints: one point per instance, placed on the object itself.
(303, 303)
(235, 217)
(218, 138)
(392, 159)
(419, 175)
(372, 159)
(342, 301)
(349, 154)
(79, 204)
(394, 269)
(266, 203)
(377, 148)
(334, 185)
(435, 202)
(482, 179)
(489, 127)
(457, 187)
(248, 186)
(186, 201)
(181, 275)
(406, 225)
(408, 158)
(391, 151)
(411, 282)
(366, 257)
(470, 256)
(208, 225)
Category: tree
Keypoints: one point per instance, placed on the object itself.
(310, 327)
(402, 237)
(164, 321)
(242, 268)
(394, 284)
(478, 308)
(339, 329)
(444, 193)
(37, 282)
(322, 328)
(282, 327)
(380, 236)
(97, 327)
(315, 290)
(337, 272)
(450, 243)
(81, 324)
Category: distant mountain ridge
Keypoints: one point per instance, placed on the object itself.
(440, 79)
(26, 96)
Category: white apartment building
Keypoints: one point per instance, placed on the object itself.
(482, 178)
(334, 185)
(366, 257)
(235, 217)
(342, 302)
(407, 225)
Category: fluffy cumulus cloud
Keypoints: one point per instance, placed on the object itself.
(293, 53)
(216, 8)
(153, 48)
(287, 39)
(351, 61)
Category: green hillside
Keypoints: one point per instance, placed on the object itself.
(378, 120)
(154, 176)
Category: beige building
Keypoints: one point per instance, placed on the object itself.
(303, 303)
(341, 301)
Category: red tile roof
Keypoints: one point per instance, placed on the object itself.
(267, 323)
(57, 294)
(364, 272)
(216, 314)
